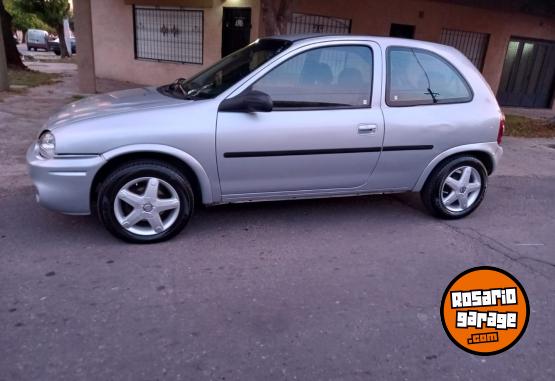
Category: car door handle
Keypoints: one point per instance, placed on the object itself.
(367, 128)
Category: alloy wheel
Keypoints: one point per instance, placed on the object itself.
(460, 189)
(146, 206)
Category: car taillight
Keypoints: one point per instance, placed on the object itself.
(501, 130)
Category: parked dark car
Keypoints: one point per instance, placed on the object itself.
(55, 46)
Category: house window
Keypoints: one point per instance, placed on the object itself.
(402, 30)
(304, 23)
(472, 44)
(168, 34)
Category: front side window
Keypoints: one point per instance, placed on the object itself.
(417, 77)
(338, 76)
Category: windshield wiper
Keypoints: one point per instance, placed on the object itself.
(432, 94)
(197, 91)
(178, 84)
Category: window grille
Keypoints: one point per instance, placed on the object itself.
(304, 23)
(472, 44)
(168, 34)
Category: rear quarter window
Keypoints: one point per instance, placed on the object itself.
(420, 77)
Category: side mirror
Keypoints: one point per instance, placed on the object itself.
(250, 101)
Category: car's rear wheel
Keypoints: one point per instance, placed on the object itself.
(456, 189)
(145, 201)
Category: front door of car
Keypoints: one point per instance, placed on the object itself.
(325, 131)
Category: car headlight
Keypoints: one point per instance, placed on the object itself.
(47, 144)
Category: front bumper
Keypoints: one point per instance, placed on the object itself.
(63, 183)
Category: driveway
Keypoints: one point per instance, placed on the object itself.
(339, 289)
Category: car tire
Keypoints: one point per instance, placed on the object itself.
(134, 193)
(456, 188)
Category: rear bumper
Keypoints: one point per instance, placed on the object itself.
(497, 154)
(38, 46)
(63, 184)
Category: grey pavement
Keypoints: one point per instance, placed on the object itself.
(37, 55)
(338, 289)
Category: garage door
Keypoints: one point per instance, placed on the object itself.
(528, 74)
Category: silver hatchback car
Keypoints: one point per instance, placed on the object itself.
(284, 118)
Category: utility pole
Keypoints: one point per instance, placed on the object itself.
(4, 85)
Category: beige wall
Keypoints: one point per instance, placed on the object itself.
(114, 43)
(113, 31)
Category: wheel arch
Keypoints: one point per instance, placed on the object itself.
(184, 162)
(487, 153)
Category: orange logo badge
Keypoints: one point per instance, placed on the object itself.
(485, 310)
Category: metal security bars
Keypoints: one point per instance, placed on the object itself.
(472, 44)
(168, 34)
(304, 23)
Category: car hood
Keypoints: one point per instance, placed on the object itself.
(117, 102)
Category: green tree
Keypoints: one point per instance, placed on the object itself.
(12, 54)
(52, 12)
(22, 20)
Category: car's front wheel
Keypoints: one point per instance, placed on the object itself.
(456, 189)
(145, 201)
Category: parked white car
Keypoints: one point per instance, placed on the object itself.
(37, 39)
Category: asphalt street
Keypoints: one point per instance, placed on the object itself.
(341, 289)
(337, 289)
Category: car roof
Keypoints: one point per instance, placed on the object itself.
(381, 40)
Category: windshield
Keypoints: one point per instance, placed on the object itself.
(223, 74)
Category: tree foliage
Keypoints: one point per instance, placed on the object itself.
(22, 20)
(52, 12)
(12, 54)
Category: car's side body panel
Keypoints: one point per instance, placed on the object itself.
(291, 151)
(443, 126)
(303, 150)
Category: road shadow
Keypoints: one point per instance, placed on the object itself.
(26, 218)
